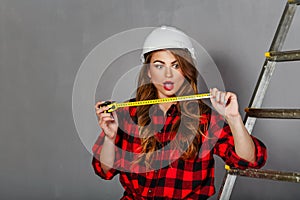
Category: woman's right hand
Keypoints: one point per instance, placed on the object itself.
(107, 121)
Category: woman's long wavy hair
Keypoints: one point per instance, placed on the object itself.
(191, 132)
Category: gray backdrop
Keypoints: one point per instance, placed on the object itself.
(43, 43)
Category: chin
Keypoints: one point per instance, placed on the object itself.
(170, 94)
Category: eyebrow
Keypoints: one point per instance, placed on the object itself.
(164, 62)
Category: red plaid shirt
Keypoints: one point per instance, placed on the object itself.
(179, 179)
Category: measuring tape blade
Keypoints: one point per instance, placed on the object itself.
(114, 106)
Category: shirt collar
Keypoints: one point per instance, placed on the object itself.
(155, 110)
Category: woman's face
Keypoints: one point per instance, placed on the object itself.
(165, 73)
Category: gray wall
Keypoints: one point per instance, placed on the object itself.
(42, 45)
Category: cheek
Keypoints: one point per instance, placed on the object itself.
(180, 80)
(155, 75)
(179, 76)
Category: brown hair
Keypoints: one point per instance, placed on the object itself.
(191, 133)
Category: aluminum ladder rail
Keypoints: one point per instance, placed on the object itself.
(274, 55)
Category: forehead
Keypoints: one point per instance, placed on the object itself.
(163, 55)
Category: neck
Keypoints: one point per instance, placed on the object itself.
(165, 106)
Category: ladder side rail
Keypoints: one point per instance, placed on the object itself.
(283, 27)
(256, 100)
(227, 186)
(276, 45)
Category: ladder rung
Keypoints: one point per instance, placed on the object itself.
(283, 56)
(262, 85)
(273, 113)
(267, 174)
(294, 2)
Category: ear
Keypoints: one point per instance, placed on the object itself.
(148, 73)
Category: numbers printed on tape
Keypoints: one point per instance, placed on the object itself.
(114, 106)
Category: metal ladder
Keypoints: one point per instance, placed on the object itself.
(254, 111)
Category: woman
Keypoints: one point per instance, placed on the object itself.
(165, 151)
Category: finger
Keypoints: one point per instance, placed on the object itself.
(102, 104)
(105, 121)
(102, 118)
(230, 97)
(218, 96)
(101, 110)
(213, 92)
(114, 116)
(103, 115)
(97, 105)
(222, 98)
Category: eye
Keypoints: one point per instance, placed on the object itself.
(158, 66)
(176, 66)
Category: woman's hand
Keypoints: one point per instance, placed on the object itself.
(107, 121)
(225, 103)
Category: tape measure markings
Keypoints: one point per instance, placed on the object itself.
(114, 106)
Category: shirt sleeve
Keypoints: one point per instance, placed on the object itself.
(96, 159)
(224, 146)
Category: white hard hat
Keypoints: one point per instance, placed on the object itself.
(166, 37)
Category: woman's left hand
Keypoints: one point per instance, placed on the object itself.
(225, 103)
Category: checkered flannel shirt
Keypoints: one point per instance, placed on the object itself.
(178, 179)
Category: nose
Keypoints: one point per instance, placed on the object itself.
(168, 72)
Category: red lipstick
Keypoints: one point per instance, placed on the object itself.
(168, 85)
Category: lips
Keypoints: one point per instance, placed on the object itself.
(168, 85)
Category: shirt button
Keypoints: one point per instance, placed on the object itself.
(150, 191)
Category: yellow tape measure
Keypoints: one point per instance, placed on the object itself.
(114, 106)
